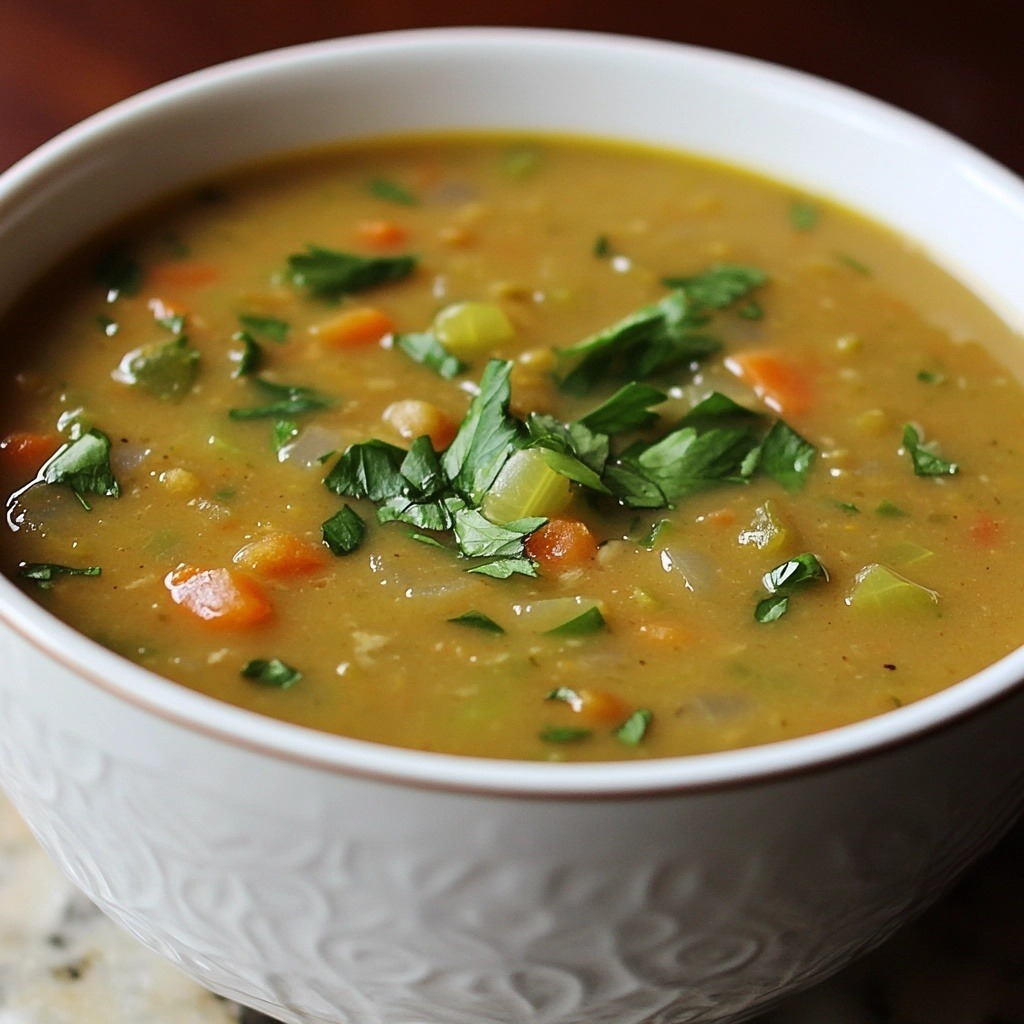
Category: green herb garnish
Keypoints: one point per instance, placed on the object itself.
(268, 327)
(478, 621)
(719, 286)
(330, 273)
(167, 371)
(853, 263)
(250, 359)
(424, 348)
(590, 621)
(344, 531)
(287, 400)
(564, 734)
(44, 573)
(803, 215)
(602, 247)
(271, 672)
(392, 192)
(634, 728)
(84, 466)
(783, 580)
(284, 432)
(890, 509)
(925, 458)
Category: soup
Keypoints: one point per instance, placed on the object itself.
(536, 448)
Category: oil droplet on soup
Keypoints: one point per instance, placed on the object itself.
(534, 447)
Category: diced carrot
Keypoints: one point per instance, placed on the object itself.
(721, 517)
(600, 707)
(667, 633)
(354, 328)
(22, 453)
(281, 555)
(779, 382)
(411, 419)
(219, 597)
(381, 234)
(180, 274)
(561, 544)
(985, 530)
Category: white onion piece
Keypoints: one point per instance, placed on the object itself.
(311, 445)
(126, 456)
(540, 616)
(697, 569)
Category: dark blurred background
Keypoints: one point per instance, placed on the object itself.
(960, 65)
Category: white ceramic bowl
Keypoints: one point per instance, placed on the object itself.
(324, 879)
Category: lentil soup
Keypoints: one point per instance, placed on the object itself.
(531, 448)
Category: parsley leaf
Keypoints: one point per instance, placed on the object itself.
(344, 531)
(719, 286)
(267, 327)
(564, 734)
(634, 728)
(480, 538)
(44, 573)
(926, 461)
(478, 621)
(250, 359)
(503, 568)
(486, 437)
(783, 580)
(330, 273)
(786, 457)
(686, 462)
(167, 371)
(590, 621)
(84, 466)
(653, 340)
(803, 215)
(371, 469)
(424, 348)
(392, 192)
(287, 400)
(271, 672)
(628, 409)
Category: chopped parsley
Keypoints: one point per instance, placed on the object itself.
(477, 620)
(803, 215)
(167, 371)
(634, 728)
(271, 672)
(783, 580)
(924, 456)
(590, 621)
(284, 432)
(270, 328)
(392, 192)
(564, 734)
(330, 273)
(424, 348)
(344, 531)
(44, 573)
(250, 360)
(84, 466)
(286, 400)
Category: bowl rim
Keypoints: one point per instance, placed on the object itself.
(340, 755)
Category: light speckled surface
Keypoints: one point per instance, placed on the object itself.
(62, 962)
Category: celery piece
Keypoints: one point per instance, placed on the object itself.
(878, 588)
(907, 552)
(526, 486)
(466, 329)
(767, 530)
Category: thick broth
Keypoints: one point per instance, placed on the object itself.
(565, 237)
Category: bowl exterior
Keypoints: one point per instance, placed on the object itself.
(315, 896)
(324, 892)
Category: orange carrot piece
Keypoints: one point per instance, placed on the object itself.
(985, 530)
(411, 418)
(600, 707)
(178, 274)
(354, 328)
(219, 597)
(381, 234)
(23, 453)
(281, 555)
(561, 544)
(780, 383)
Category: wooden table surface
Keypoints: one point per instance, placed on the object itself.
(958, 64)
